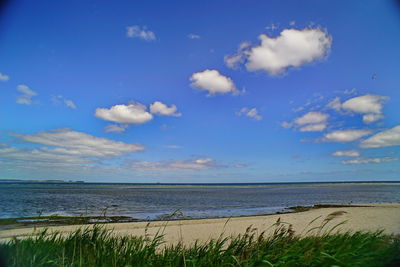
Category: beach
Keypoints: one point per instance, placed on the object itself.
(369, 217)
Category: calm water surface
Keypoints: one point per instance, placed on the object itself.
(149, 202)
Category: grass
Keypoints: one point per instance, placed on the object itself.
(97, 246)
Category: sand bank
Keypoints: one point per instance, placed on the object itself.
(368, 218)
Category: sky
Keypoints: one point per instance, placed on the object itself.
(200, 91)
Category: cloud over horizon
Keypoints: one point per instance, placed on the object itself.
(368, 160)
(197, 164)
(389, 137)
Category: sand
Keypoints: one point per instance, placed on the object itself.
(370, 218)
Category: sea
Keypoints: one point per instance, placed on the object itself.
(158, 201)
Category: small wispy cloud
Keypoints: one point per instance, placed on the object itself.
(368, 160)
(193, 36)
(115, 128)
(25, 98)
(249, 112)
(4, 77)
(140, 32)
(58, 99)
(346, 153)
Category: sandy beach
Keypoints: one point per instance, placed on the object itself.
(367, 218)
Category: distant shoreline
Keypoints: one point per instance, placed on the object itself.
(16, 181)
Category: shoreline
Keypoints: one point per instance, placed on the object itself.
(368, 217)
(65, 220)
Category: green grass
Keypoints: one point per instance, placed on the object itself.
(99, 247)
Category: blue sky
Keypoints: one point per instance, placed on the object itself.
(200, 91)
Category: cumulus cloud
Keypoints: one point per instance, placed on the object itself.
(312, 121)
(4, 77)
(25, 98)
(369, 105)
(311, 117)
(197, 164)
(390, 137)
(133, 113)
(160, 108)
(368, 160)
(137, 31)
(68, 142)
(193, 36)
(292, 48)
(213, 82)
(346, 153)
(343, 136)
(251, 113)
(115, 128)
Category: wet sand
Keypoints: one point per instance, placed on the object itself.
(367, 218)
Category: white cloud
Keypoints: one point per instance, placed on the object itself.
(68, 142)
(312, 121)
(318, 127)
(136, 31)
(286, 124)
(369, 105)
(311, 118)
(160, 108)
(368, 160)
(61, 99)
(292, 48)
(133, 113)
(27, 94)
(251, 113)
(390, 137)
(213, 82)
(335, 104)
(346, 153)
(70, 104)
(343, 136)
(198, 164)
(115, 128)
(233, 61)
(193, 36)
(4, 77)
